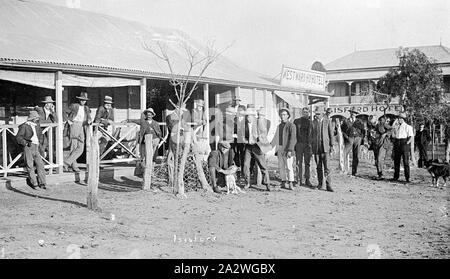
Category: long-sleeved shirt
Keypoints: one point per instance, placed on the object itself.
(402, 131)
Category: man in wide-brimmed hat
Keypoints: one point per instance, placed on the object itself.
(284, 142)
(218, 161)
(47, 114)
(147, 126)
(322, 147)
(104, 117)
(303, 146)
(252, 150)
(238, 144)
(353, 132)
(403, 134)
(78, 116)
(421, 140)
(30, 138)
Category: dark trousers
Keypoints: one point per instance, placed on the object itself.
(401, 152)
(379, 154)
(353, 145)
(303, 154)
(423, 156)
(253, 150)
(217, 178)
(238, 154)
(323, 168)
(34, 164)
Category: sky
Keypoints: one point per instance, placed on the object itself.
(265, 34)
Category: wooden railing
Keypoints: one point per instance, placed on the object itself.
(12, 153)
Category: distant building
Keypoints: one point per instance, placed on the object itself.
(352, 76)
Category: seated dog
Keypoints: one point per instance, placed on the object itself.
(230, 180)
(437, 170)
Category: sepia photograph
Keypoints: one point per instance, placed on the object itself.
(254, 130)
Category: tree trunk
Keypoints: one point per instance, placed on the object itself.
(180, 175)
(340, 139)
(201, 174)
(94, 160)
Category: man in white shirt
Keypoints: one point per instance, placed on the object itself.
(402, 134)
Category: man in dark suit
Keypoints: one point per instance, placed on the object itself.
(47, 114)
(353, 132)
(105, 117)
(303, 146)
(30, 138)
(422, 139)
(148, 126)
(218, 161)
(322, 147)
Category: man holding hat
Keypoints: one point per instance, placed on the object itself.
(353, 132)
(303, 145)
(47, 114)
(218, 161)
(30, 138)
(252, 150)
(105, 117)
(402, 133)
(322, 147)
(78, 115)
(284, 141)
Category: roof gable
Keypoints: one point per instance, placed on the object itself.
(384, 58)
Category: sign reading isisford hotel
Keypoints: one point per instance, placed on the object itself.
(369, 109)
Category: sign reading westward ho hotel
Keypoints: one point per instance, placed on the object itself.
(302, 79)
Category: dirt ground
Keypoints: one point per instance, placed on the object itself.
(364, 218)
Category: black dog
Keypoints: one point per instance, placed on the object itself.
(438, 169)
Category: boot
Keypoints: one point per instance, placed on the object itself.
(283, 184)
(319, 186)
(290, 185)
(329, 189)
(299, 183)
(308, 183)
(268, 187)
(216, 189)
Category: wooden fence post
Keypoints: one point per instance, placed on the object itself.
(148, 170)
(93, 170)
(340, 139)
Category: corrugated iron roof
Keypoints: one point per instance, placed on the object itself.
(384, 58)
(33, 33)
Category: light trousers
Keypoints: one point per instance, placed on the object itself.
(286, 166)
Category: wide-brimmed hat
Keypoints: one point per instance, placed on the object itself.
(237, 98)
(33, 115)
(200, 102)
(108, 100)
(262, 111)
(319, 110)
(402, 115)
(150, 110)
(305, 109)
(251, 110)
(83, 96)
(48, 99)
(329, 110)
(353, 110)
(224, 144)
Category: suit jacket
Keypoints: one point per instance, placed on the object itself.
(355, 129)
(147, 128)
(422, 138)
(304, 130)
(25, 134)
(289, 137)
(220, 161)
(327, 135)
(239, 129)
(251, 137)
(51, 117)
(103, 115)
(72, 110)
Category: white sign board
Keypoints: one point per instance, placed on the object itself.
(302, 79)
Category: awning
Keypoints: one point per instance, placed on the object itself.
(47, 80)
(289, 98)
